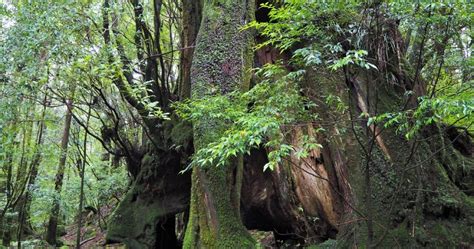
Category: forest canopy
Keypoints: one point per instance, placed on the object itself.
(236, 124)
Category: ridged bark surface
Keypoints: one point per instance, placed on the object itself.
(221, 64)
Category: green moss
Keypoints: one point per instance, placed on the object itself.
(328, 244)
(429, 190)
(229, 231)
(192, 231)
(135, 219)
(448, 234)
(181, 133)
(133, 222)
(220, 65)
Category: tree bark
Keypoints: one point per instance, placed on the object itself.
(157, 190)
(53, 219)
(82, 173)
(222, 59)
(365, 183)
(404, 190)
(158, 193)
(191, 18)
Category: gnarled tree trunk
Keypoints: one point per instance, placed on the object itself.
(145, 216)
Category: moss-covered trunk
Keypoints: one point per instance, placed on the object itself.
(375, 191)
(221, 64)
(145, 216)
(406, 193)
(363, 190)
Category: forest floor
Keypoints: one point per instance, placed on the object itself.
(92, 233)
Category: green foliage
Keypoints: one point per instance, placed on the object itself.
(443, 29)
(51, 48)
(142, 92)
(354, 57)
(328, 244)
(298, 21)
(321, 24)
(450, 110)
(256, 118)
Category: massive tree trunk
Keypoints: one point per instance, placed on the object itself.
(53, 219)
(404, 192)
(221, 64)
(367, 186)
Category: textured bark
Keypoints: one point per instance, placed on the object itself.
(403, 190)
(6, 231)
(270, 202)
(222, 58)
(53, 219)
(412, 193)
(144, 217)
(302, 199)
(191, 20)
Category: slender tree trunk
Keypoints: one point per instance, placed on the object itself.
(53, 219)
(5, 221)
(23, 217)
(6, 233)
(15, 186)
(192, 14)
(21, 178)
(82, 173)
(222, 59)
(8, 185)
